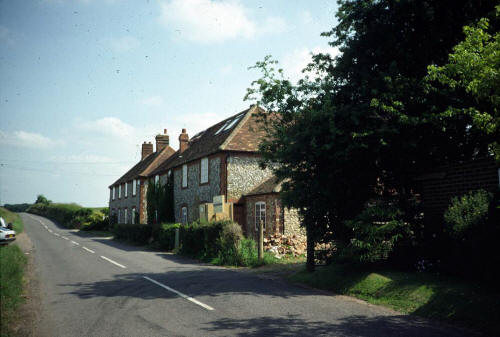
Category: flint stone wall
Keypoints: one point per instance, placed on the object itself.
(195, 193)
(243, 175)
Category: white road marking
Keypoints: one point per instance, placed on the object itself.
(76, 243)
(203, 305)
(50, 230)
(88, 250)
(65, 238)
(56, 234)
(113, 262)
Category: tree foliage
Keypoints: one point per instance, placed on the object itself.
(473, 71)
(160, 202)
(41, 199)
(364, 121)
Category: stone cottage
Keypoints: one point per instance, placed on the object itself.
(127, 195)
(223, 160)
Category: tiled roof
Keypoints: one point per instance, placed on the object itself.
(236, 133)
(145, 166)
(270, 185)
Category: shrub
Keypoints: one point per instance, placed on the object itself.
(472, 228)
(135, 233)
(95, 222)
(166, 236)
(468, 212)
(375, 233)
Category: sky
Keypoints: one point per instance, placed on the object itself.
(84, 82)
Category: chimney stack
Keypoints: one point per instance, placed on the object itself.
(147, 149)
(183, 141)
(162, 141)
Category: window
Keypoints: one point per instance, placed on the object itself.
(119, 191)
(111, 193)
(260, 214)
(114, 192)
(184, 215)
(133, 215)
(119, 216)
(134, 187)
(184, 176)
(126, 190)
(157, 179)
(204, 171)
(125, 216)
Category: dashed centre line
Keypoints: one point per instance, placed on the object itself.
(65, 238)
(113, 262)
(195, 301)
(76, 243)
(88, 250)
(56, 234)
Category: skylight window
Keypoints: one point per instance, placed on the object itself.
(229, 124)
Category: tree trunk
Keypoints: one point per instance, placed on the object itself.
(310, 250)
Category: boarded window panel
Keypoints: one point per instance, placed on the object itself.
(184, 175)
(204, 171)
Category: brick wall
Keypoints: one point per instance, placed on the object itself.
(274, 215)
(437, 188)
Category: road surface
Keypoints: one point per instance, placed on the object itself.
(99, 287)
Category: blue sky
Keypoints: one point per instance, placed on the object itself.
(85, 82)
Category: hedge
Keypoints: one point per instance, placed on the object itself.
(72, 215)
(136, 233)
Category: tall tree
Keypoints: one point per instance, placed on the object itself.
(366, 119)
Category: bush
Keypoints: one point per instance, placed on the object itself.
(97, 221)
(375, 233)
(135, 233)
(166, 236)
(468, 212)
(472, 230)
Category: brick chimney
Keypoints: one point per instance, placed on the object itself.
(183, 141)
(162, 141)
(147, 149)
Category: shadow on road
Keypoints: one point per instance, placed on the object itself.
(352, 326)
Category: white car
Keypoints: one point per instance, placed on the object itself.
(6, 235)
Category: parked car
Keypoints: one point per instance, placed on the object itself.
(6, 233)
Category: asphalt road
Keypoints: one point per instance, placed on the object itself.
(99, 287)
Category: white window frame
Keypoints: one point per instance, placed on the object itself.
(119, 191)
(184, 176)
(126, 190)
(258, 214)
(184, 215)
(125, 215)
(134, 187)
(114, 192)
(157, 179)
(204, 170)
(133, 215)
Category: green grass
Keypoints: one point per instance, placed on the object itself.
(426, 295)
(12, 263)
(12, 217)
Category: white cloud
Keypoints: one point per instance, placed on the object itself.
(111, 126)
(305, 17)
(296, 61)
(273, 24)
(124, 44)
(82, 159)
(152, 101)
(226, 69)
(28, 139)
(208, 21)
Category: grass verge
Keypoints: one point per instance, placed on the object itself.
(14, 218)
(427, 295)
